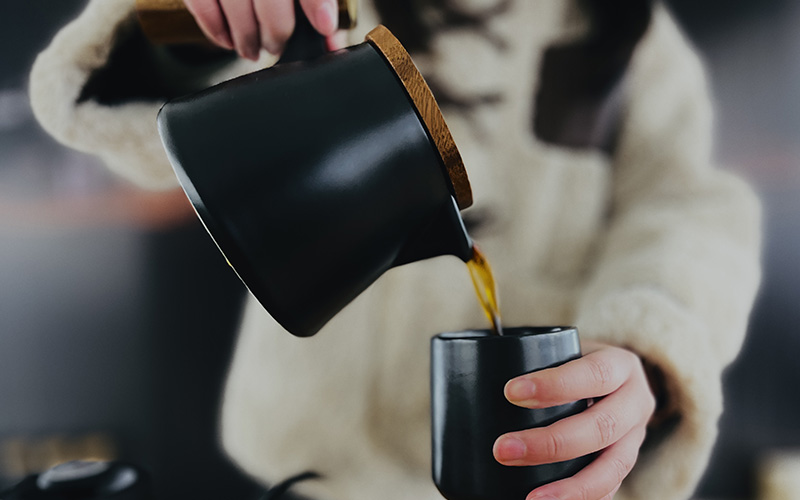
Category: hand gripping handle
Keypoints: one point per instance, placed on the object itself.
(169, 21)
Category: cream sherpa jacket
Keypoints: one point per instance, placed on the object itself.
(652, 248)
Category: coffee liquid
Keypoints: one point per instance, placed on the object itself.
(485, 288)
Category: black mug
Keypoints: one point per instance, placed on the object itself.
(469, 411)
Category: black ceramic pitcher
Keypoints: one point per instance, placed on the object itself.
(317, 175)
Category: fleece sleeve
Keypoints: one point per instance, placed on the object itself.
(679, 265)
(98, 86)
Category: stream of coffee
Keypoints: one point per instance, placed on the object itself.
(486, 288)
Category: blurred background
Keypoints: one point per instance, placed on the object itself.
(113, 345)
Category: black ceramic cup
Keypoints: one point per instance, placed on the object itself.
(469, 411)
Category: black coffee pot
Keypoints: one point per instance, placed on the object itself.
(317, 175)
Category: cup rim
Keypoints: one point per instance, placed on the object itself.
(508, 333)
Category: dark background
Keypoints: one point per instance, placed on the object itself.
(109, 334)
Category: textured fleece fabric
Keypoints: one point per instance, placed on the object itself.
(652, 248)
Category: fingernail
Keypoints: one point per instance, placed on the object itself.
(520, 390)
(271, 46)
(246, 54)
(224, 41)
(327, 18)
(252, 54)
(510, 448)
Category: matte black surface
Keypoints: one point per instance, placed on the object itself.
(314, 178)
(469, 411)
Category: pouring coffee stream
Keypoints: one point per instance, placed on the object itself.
(485, 288)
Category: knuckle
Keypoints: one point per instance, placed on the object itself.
(620, 468)
(652, 404)
(585, 492)
(605, 427)
(628, 355)
(559, 385)
(641, 437)
(648, 398)
(600, 371)
(554, 444)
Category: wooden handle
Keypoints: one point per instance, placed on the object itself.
(348, 14)
(169, 21)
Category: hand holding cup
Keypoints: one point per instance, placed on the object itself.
(614, 425)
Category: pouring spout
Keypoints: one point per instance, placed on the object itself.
(444, 234)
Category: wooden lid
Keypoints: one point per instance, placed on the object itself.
(422, 97)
